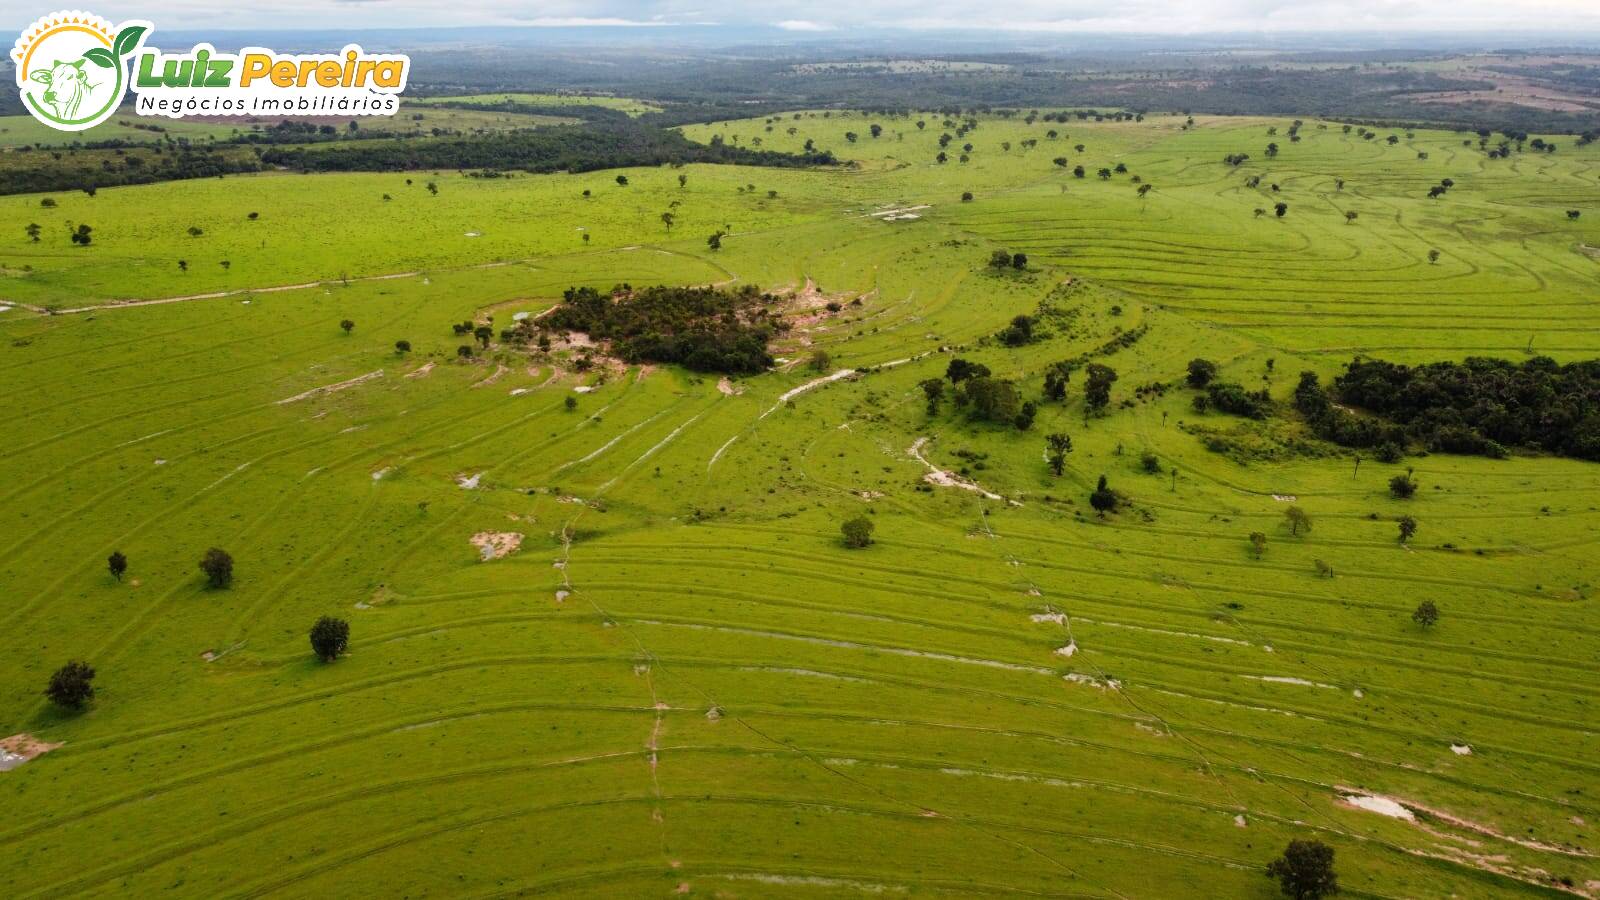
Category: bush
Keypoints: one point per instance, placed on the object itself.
(1201, 372)
(1402, 487)
(1103, 498)
(1305, 870)
(1150, 463)
(857, 532)
(218, 566)
(329, 637)
(71, 685)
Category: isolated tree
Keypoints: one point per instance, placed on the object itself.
(433, 188)
(1298, 520)
(1350, 216)
(999, 260)
(183, 265)
(1201, 372)
(464, 351)
(667, 219)
(33, 229)
(572, 403)
(933, 389)
(1103, 498)
(715, 240)
(966, 196)
(820, 361)
(81, 236)
(1258, 543)
(1402, 487)
(1057, 446)
(116, 564)
(1281, 208)
(850, 136)
(1055, 381)
(218, 566)
(622, 181)
(348, 325)
(194, 231)
(71, 685)
(1149, 463)
(683, 181)
(1425, 614)
(1061, 161)
(402, 346)
(875, 129)
(1433, 256)
(1573, 213)
(484, 334)
(1023, 420)
(329, 637)
(1019, 261)
(1305, 870)
(1144, 189)
(1408, 527)
(1098, 379)
(857, 532)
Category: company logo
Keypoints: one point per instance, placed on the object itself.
(71, 67)
(74, 69)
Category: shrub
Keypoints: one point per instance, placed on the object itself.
(857, 532)
(329, 637)
(1305, 870)
(71, 685)
(1201, 372)
(218, 566)
(1402, 487)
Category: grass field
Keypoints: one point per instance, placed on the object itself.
(681, 678)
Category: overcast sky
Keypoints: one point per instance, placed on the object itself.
(821, 17)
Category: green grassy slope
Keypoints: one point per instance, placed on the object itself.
(681, 678)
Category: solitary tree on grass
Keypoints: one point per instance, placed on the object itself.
(1402, 487)
(1258, 543)
(1425, 614)
(1408, 527)
(329, 637)
(72, 685)
(1298, 520)
(1057, 446)
(348, 325)
(117, 564)
(857, 532)
(1103, 498)
(1305, 870)
(218, 566)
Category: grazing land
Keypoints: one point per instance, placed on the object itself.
(605, 636)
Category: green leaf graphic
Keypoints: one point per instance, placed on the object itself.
(100, 56)
(127, 39)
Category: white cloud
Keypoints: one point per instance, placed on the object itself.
(802, 25)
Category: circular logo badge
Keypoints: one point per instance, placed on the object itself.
(72, 67)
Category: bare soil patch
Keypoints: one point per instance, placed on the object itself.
(21, 748)
(496, 544)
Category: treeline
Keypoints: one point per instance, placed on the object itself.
(91, 170)
(563, 148)
(702, 328)
(1478, 406)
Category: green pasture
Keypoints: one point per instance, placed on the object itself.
(681, 680)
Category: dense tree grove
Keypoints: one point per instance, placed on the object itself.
(566, 148)
(1477, 406)
(703, 328)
